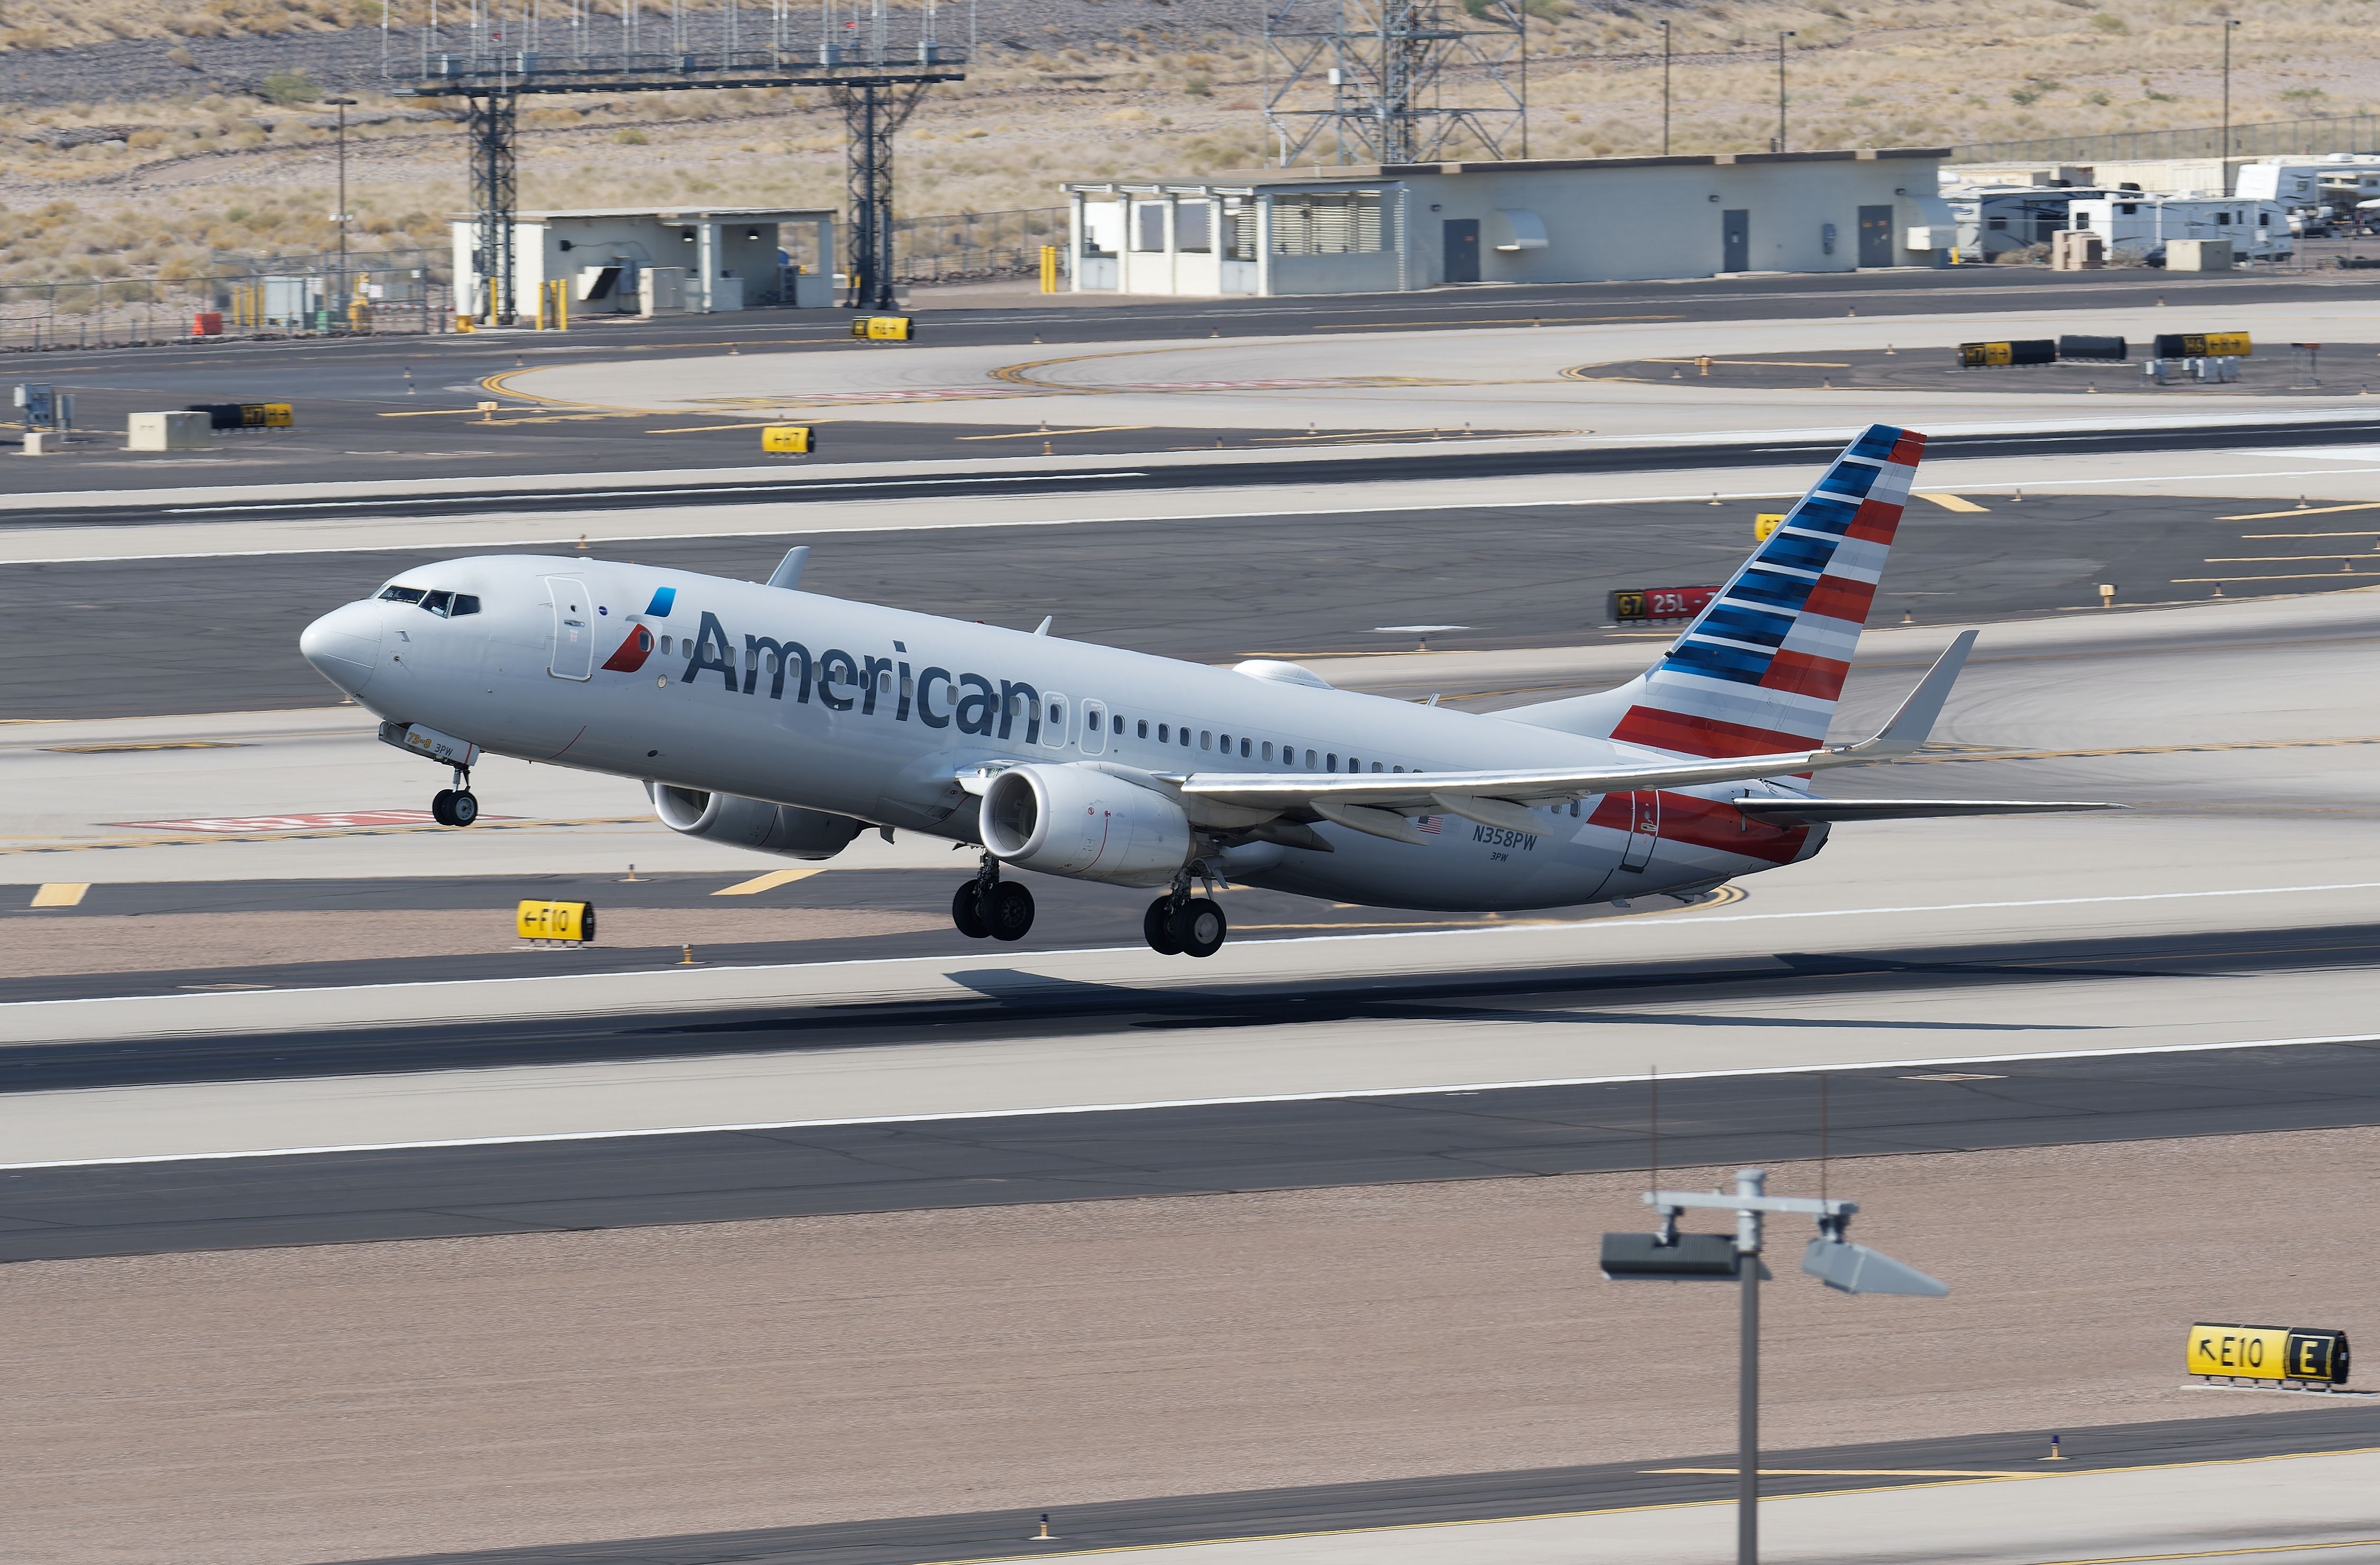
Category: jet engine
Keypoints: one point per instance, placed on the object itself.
(753, 823)
(1085, 823)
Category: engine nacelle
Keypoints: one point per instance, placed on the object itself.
(1089, 824)
(753, 823)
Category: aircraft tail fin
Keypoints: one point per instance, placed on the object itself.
(1760, 668)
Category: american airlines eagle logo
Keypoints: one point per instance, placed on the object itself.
(639, 643)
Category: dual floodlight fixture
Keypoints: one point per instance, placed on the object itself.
(1667, 1255)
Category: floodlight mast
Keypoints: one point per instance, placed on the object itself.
(1840, 1264)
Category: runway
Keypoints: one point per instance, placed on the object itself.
(1276, 1522)
(803, 1170)
(1347, 584)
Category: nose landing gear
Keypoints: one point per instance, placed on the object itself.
(990, 907)
(457, 806)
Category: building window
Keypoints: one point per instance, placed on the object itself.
(1193, 227)
(1149, 227)
(1239, 230)
(1326, 224)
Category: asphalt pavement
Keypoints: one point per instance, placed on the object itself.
(571, 1183)
(2302, 1426)
(405, 407)
(1217, 590)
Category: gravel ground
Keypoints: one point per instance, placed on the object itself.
(309, 1404)
(138, 68)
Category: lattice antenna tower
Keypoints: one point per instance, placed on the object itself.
(1372, 79)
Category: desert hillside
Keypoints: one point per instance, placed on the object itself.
(149, 133)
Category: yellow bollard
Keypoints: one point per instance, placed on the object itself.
(1049, 269)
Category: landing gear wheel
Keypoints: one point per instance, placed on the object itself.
(441, 807)
(464, 809)
(967, 910)
(1008, 911)
(1197, 926)
(1156, 927)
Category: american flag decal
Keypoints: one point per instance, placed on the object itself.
(1429, 823)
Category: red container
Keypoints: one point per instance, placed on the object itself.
(207, 324)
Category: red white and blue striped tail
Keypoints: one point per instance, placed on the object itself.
(1758, 671)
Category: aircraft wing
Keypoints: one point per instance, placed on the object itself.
(1811, 811)
(1375, 801)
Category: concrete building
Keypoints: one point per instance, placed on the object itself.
(659, 261)
(1348, 230)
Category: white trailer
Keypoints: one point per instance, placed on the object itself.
(2144, 222)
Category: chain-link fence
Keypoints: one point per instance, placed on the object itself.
(365, 292)
(968, 245)
(2279, 138)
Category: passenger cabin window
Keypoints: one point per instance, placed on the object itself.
(401, 594)
(1144, 728)
(1165, 733)
(1243, 749)
(1331, 760)
(1268, 749)
(1119, 727)
(1185, 738)
(1309, 760)
(665, 645)
(1205, 739)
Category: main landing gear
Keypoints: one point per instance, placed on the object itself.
(457, 806)
(990, 907)
(1178, 924)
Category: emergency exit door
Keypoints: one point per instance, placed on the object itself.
(1735, 241)
(1645, 830)
(574, 629)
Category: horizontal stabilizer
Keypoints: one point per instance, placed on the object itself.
(1812, 811)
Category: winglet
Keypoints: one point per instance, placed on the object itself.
(788, 574)
(1913, 723)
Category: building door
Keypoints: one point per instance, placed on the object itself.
(1876, 236)
(1735, 241)
(574, 633)
(1462, 250)
(1645, 830)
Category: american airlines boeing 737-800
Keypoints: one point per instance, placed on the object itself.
(768, 717)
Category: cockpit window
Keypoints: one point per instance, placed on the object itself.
(400, 595)
(464, 604)
(437, 604)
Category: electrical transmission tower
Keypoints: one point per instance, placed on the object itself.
(1371, 78)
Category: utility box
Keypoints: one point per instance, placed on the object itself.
(168, 431)
(661, 291)
(2077, 250)
(2198, 255)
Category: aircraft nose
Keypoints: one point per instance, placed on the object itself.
(343, 646)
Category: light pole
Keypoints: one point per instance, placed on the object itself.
(1780, 89)
(2228, 26)
(1665, 89)
(1671, 1256)
(342, 104)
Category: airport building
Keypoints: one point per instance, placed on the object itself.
(661, 261)
(1358, 229)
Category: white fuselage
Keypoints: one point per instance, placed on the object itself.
(741, 688)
